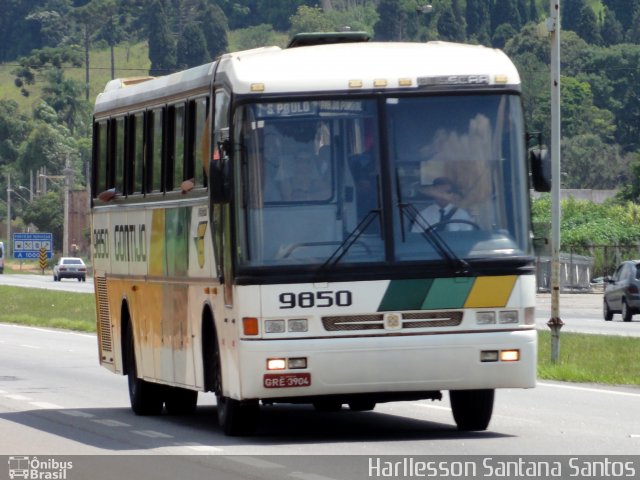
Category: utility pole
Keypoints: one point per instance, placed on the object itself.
(555, 323)
(9, 242)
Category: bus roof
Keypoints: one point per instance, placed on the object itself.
(365, 66)
(325, 68)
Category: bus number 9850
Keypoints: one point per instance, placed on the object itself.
(320, 299)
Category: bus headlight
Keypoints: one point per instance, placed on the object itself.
(298, 325)
(486, 318)
(274, 326)
(508, 316)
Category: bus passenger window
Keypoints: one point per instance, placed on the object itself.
(117, 161)
(178, 146)
(138, 153)
(100, 168)
(201, 145)
(154, 178)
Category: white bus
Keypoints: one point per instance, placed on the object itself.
(263, 229)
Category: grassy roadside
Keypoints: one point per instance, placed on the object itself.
(48, 308)
(584, 358)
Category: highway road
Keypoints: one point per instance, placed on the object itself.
(56, 400)
(31, 280)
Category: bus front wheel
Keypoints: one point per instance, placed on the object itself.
(235, 417)
(472, 409)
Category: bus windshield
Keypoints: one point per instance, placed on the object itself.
(393, 180)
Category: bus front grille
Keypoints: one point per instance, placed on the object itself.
(376, 321)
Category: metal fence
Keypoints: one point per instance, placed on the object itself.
(583, 269)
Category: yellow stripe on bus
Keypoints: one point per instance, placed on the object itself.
(488, 292)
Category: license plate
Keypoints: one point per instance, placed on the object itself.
(287, 380)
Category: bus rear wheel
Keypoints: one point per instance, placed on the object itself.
(145, 397)
(472, 409)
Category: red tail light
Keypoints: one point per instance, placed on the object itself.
(633, 289)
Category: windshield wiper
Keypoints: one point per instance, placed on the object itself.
(348, 242)
(429, 232)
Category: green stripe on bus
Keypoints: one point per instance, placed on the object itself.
(405, 295)
(448, 293)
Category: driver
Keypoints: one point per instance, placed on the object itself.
(444, 214)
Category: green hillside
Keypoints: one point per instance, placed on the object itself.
(130, 61)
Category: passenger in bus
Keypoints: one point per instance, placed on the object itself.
(308, 178)
(444, 214)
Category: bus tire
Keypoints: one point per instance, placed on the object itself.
(180, 401)
(145, 397)
(327, 406)
(237, 418)
(472, 409)
(362, 406)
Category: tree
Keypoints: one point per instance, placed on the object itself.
(14, 128)
(612, 32)
(478, 21)
(216, 31)
(162, 47)
(41, 60)
(397, 20)
(505, 12)
(64, 96)
(46, 213)
(310, 19)
(192, 48)
(448, 26)
(624, 10)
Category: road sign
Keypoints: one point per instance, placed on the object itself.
(26, 246)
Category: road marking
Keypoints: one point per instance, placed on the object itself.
(33, 347)
(201, 448)
(46, 406)
(427, 405)
(151, 434)
(634, 435)
(255, 462)
(309, 476)
(77, 413)
(17, 397)
(588, 389)
(110, 423)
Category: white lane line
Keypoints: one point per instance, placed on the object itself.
(77, 413)
(309, 476)
(151, 434)
(17, 397)
(201, 448)
(46, 405)
(588, 389)
(33, 347)
(255, 462)
(427, 405)
(2, 392)
(634, 435)
(110, 423)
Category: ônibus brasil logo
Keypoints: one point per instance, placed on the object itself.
(32, 468)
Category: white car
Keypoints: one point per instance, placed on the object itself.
(70, 267)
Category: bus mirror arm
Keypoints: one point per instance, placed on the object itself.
(219, 180)
(540, 162)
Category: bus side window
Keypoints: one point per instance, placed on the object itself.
(199, 140)
(115, 160)
(175, 160)
(100, 158)
(136, 150)
(154, 151)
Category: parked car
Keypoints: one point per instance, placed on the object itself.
(622, 292)
(70, 267)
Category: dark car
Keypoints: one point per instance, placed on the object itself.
(70, 267)
(622, 291)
